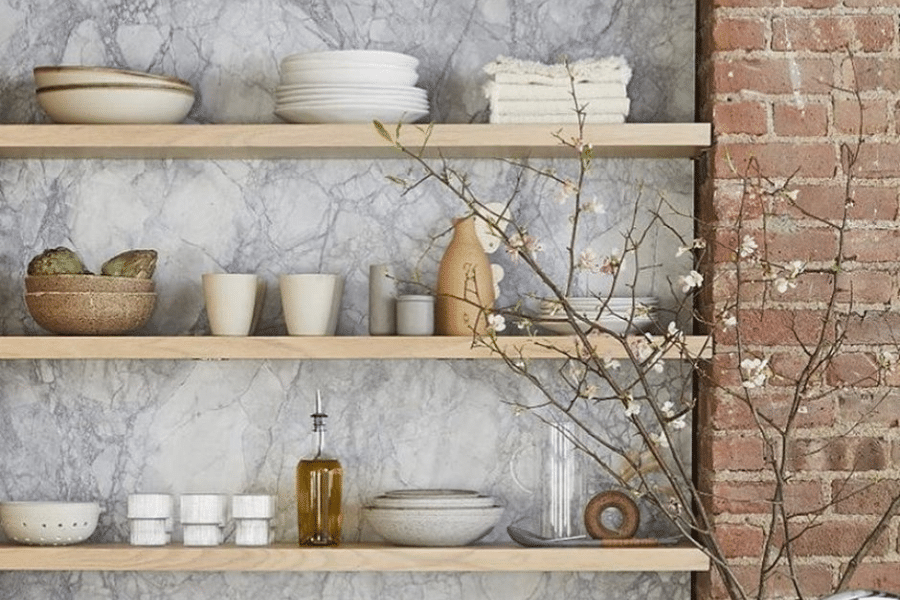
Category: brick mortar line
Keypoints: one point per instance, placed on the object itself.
(800, 11)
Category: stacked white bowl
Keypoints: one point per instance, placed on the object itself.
(429, 517)
(253, 516)
(100, 95)
(203, 518)
(150, 519)
(350, 86)
(621, 315)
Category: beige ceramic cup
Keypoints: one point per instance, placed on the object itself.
(231, 302)
(311, 302)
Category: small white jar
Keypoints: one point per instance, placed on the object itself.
(415, 314)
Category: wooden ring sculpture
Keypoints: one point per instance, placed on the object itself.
(593, 515)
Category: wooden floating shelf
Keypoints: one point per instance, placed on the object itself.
(308, 348)
(628, 140)
(349, 557)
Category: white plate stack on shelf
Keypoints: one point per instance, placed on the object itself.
(523, 91)
(350, 86)
(253, 516)
(150, 519)
(621, 315)
(203, 518)
(430, 517)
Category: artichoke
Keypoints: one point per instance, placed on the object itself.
(139, 264)
(57, 261)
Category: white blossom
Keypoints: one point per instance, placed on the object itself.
(587, 261)
(611, 364)
(496, 322)
(520, 242)
(673, 333)
(612, 263)
(690, 281)
(748, 247)
(660, 440)
(887, 360)
(567, 190)
(755, 372)
(594, 207)
(728, 320)
(668, 408)
(696, 244)
(632, 408)
(679, 423)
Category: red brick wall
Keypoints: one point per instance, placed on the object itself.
(778, 81)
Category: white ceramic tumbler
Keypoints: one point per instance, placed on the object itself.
(231, 302)
(311, 302)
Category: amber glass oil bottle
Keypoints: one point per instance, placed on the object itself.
(319, 483)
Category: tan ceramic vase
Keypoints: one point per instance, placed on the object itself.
(465, 288)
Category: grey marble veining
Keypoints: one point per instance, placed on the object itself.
(103, 429)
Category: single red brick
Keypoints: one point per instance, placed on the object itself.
(884, 575)
(862, 407)
(878, 160)
(778, 327)
(870, 73)
(733, 453)
(739, 540)
(863, 497)
(868, 33)
(871, 245)
(806, 121)
(804, 244)
(873, 327)
(756, 497)
(839, 453)
(855, 369)
(740, 117)
(828, 202)
(772, 75)
(736, 160)
(739, 34)
(837, 538)
(866, 117)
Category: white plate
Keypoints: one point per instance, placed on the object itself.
(352, 96)
(47, 76)
(353, 104)
(359, 113)
(347, 88)
(383, 57)
(373, 75)
(614, 324)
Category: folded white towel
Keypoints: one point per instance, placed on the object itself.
(557, 118)
(522, 91)
(595, 105)
(597, 70)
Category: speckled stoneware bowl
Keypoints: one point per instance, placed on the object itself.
(86, 283)
(49, 523)
(433, 526)
(90, 313)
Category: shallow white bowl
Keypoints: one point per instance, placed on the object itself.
(110, 103)
(439, 503)
(49, 523)
(433, 526)
(351, 57)
(48, 76)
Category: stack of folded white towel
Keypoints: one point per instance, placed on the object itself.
(530, 92)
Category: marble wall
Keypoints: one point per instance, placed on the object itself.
(103, 429)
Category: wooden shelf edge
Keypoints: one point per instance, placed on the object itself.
(350, 557)
(268, 141)
(307, 348)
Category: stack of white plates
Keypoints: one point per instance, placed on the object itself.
(350, 86)
(428, 517)
(100, 95)
(626, 315)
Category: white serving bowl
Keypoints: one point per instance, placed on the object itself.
(49, 76)
(49, 523)
(351, 57)
(113, 103)
(451, 503)
(433, 526)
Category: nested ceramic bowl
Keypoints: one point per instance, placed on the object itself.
(86, 283)
(115, 103)
(90, 313)
(48, 76)
(49, 523)
(433, 526)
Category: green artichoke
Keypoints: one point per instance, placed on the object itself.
(57, 261)
(139, 264)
